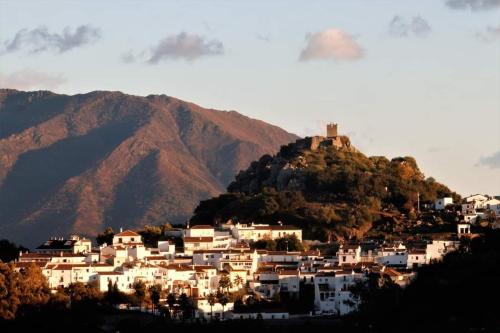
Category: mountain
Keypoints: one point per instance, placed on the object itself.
(326, 187)
(75, 164)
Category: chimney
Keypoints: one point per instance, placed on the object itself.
(121, 229)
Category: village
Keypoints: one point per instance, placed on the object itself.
(216, 262)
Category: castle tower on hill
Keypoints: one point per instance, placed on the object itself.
(332, 139)
(331, 130)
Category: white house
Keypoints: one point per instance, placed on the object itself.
(416, 258)
(332, 292)
(471, 218)
(199, 231)
(463, 229)
(127, 237)
(204, 310)
(192, 244)
(441, 203)
(395, 255)
(254, 232)
(349, 254)
(493, 205)
(289, 281)
(468, 208)
(436, 250)
(74, 244)
(477, 200)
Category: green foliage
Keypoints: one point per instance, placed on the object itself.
(106, 236)
(290, 242)
(327, 192)
(225, 282)
(140, 291)
(151, 234)
(22, 291)
(443, 293)
(10, 251)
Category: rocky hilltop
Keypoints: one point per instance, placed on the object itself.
(80, 163)
(325, 186)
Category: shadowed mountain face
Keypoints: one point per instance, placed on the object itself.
(75, 164)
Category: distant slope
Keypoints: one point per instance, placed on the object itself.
(80, 163)
(329, 192)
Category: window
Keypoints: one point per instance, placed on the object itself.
(132, 239)
(120, 240)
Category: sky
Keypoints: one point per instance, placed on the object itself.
(401, 78)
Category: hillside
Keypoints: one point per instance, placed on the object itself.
(80, 163)
(329, 191)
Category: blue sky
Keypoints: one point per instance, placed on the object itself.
(419, 78)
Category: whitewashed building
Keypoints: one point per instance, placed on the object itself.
(441, 203)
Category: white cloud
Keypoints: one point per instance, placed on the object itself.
(473, 4)
(418, 26)
(185, 46)
(27, 79)
(331, 44)
(492, 161)
(490, 34)
(40, 39)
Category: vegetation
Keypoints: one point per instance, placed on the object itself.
(287, 243)
(453, 295)
(151, 234)
(329, 193)
(9, 251)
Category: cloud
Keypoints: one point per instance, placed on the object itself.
(399, 27)
(490, 34)
(129, 57)
(263, 37)
(185, 46)
(331, 44)
(492, 161)
(473, 5)
(40, 39)
(27, 79)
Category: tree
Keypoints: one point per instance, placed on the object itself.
(225, 282)
(21, 291)
(212, 299)
(289, 243)
(223, 299)
(10, 251)
(9, 293)
(155, 294)
(238, 281)
(185, 306)
(151, 234)
(171, 300)
(140, 292)
(33, 286)
(106, 236)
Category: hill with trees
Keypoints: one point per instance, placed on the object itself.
(330, 192)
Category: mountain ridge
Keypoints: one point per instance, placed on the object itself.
(73, 163)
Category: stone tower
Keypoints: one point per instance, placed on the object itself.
(331, 130)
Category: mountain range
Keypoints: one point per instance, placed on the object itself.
(76, 164)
